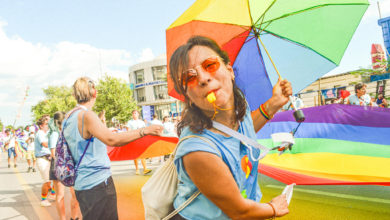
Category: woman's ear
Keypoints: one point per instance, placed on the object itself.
(94, 93)
(230, 69)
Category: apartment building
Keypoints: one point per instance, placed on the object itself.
(149, 83)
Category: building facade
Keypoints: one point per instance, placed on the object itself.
(148, 80)
(326, 89)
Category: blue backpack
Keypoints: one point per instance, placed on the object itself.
(65, 169)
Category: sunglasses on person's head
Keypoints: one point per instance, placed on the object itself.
(189, 77)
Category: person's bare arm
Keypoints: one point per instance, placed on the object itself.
(94, 126)
(53, 152)
(45, 144)
(213, 178)
(280, 96)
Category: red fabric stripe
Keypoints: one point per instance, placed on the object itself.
(134, 149)
(233, 47)
(289, 177)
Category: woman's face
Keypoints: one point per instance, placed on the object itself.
(218, 81)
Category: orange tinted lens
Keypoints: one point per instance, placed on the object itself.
(189, 77)
(211, 65)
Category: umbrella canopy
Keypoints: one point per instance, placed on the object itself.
(305, 38)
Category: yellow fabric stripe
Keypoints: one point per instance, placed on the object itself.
(219, 11)
(332, 165)
(158, 148)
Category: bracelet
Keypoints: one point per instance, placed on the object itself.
(264, 113)
(273, 209)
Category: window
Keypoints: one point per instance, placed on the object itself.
(162, 110)
(141, 95)
(160, 92)
(139, 76)
(159, 73)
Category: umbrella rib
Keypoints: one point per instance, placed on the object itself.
(263, 15)
(298, 44)
(269, 57)
(249, 12)
(304, 10)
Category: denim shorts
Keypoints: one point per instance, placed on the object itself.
(11, 151)
(100, 202)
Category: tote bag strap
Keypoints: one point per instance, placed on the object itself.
(200, 137)
(196, 194)
(242, 138)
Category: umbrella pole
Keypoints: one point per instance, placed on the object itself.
(298, 114)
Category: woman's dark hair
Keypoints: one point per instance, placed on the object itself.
(56, 122)
(192, 115)
(58, 118)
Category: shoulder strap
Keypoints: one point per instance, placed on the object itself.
(182, 206)
(196, 194)
(89, 141)
(241, 137)
(200, 137)
(68, 116)
(82, 124)
(85, 150)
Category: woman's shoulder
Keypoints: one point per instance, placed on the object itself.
(192, 142)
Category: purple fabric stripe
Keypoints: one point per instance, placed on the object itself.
(342, 114)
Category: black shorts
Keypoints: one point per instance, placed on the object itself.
(100, 202)
(52, 171)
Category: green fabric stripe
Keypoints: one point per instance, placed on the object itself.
(326, 27)
(320, 145)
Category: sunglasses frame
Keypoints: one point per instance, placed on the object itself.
(185, 74)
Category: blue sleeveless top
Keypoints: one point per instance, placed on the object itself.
(234, 154)
(95, 165)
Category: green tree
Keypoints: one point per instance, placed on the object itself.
(58, 98)
(116, 98)
(9, 127)
(1, 125)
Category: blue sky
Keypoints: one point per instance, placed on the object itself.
(46, 42)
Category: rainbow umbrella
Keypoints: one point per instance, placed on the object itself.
(337, 144)
(303, 38)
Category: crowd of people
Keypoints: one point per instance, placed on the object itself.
(198, 68)
(359, 98)
(37, 144)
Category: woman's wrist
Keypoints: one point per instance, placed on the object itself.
(272, 106)
(273, 210)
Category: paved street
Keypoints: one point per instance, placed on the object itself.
(20, 192)
(20, 196)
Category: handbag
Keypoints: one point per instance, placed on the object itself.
(160, 190)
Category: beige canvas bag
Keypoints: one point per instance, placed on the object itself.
(160, 190)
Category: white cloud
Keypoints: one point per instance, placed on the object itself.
(146, 55)
(39, 65)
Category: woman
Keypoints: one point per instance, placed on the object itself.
(228, 189)
(85, 132)
(54, 132)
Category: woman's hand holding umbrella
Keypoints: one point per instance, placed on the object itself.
(280, 96)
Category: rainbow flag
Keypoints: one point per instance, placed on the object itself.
(336, 145)
(145, 147)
